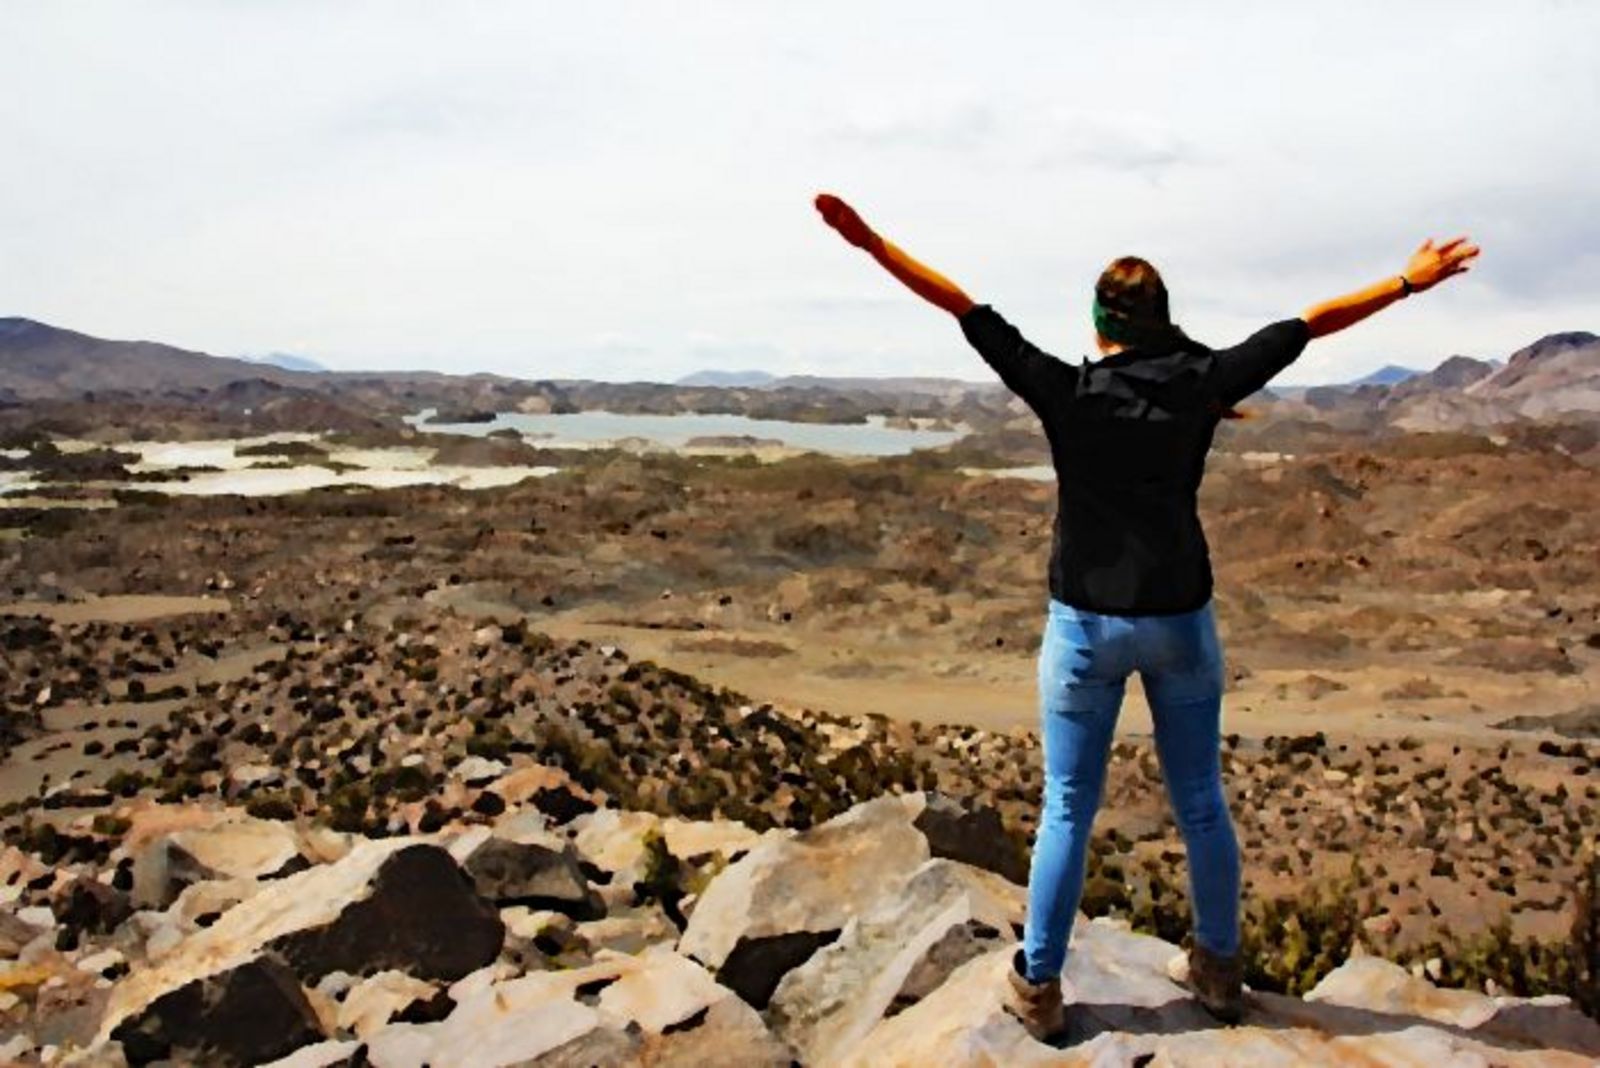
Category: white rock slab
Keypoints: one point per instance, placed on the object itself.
(814, 881)
(829, 1003)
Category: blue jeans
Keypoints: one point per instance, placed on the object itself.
(1084, 663)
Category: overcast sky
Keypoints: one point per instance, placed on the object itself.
(611, 190)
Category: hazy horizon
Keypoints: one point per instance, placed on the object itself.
(622, 191)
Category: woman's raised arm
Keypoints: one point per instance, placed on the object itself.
(1429, 265)
(922, 280)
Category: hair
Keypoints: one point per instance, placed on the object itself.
(1132, 306)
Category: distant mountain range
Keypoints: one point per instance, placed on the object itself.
(1557, 374)
(727, 379)
(40, 361)
(1388, 375)
(288, 361)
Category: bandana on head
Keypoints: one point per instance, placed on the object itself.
(1112, 327)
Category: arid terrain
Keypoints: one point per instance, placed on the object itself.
(1411, 618)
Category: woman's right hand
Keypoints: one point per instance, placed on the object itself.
(1432, 264)
(843, 218)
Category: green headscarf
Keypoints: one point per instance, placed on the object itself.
(1114, 328)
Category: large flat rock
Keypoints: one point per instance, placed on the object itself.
(656, 1008)
(946, 914)
(814, 882)
(1124, 1011)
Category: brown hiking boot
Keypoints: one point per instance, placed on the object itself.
(1218, 983)
(1038, 1005)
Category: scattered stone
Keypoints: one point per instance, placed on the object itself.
(371, 1003)
(512, 873)
(234, 847)
(477, 770)
(246, 1015)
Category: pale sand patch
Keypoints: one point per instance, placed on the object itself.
(121, 608)
(918, 681)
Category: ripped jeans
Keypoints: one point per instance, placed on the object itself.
(1084, 663)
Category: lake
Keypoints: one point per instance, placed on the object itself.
(592, 429)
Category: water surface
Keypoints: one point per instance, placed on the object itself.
(591, 429)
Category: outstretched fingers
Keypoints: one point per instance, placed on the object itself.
(1460, 255)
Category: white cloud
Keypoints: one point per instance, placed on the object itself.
(496, 185)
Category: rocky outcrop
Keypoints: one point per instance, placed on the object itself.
(253, 1013)
(907, 945)
(517, 873)
(653, 1008)
(390, 903)
(852, 943)
(787, 897)
(235, 847)
(1124, 1010)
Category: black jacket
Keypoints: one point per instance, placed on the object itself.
(1129, 435)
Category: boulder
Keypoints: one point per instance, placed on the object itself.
(697, 840)
(947, 914)
(201, 903)
(766, 913)
(629, 930)
(390, 903)
(421, 916)
(89, 905)
(973, 836)
(616, 841)
(1122, 1009)
(516, 873)
(371, 1003)
(1376, 985)
(246, 1015)
(657, 1008)
(232, 847)
(16, 933)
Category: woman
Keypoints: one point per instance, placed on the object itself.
(1130, 575)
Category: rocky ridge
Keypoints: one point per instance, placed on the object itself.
(1421, 848)
(879, 937)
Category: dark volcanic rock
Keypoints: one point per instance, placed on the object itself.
(422, 917)
(756, 965)
(975, 836)
(561, 804)
(88, 905)
(511, 873)
(252, 1014)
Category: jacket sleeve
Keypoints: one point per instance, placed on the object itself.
(1027, 370)
(1249, 365)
